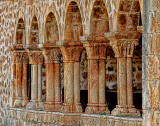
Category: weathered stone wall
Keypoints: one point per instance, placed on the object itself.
(27, 117)
(12, 11)
(7, 22)
(150, 57)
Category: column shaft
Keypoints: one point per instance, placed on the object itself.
(76, 82)
(102, 84)
(34, 82)
(24, 81)
(49, 83)
(122, 81)
(57, 83)
(24, 85)
(39, 82)
(93, 82)
(18, 86)
(68, 82)
(129, 82)
(18, 80)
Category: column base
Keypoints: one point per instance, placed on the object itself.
(77, 108)
(41, 105)
(49, 106)
(25, 101)
(35, 105)
(32, 105)
(92, 109)
(66, 108)
(125, 111)
(58, 106)
(18, 102)
(103, 108)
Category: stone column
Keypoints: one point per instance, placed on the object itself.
(123, 45)
(57, 85)
(71, 57)
(77, 105)
(96, 54)
(25, 99)
(13, 84)
(52, 61)
(102, 85)
(36, 60)
(18, 85)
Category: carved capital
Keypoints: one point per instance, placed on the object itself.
(20, 57)
(35, 57)
(96, 51)
(124, 47)
(123, 43)
(71, 53)
(52, 56)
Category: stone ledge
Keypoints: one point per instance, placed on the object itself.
(21, 116)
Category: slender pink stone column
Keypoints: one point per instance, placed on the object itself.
(71, 57)
(19, 67)
(52, 61)
(36, 61)
(123, 44)
(25, 98)
(96, 54)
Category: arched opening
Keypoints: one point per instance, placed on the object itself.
(20, 33)
(99, 19)
(73, 23)
(111, 79)
(84, 79)
(34, 33)
(51, 29)
(137, 76)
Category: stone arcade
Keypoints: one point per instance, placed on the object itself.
(79, 62)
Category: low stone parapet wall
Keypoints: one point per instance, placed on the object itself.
(23, 117)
